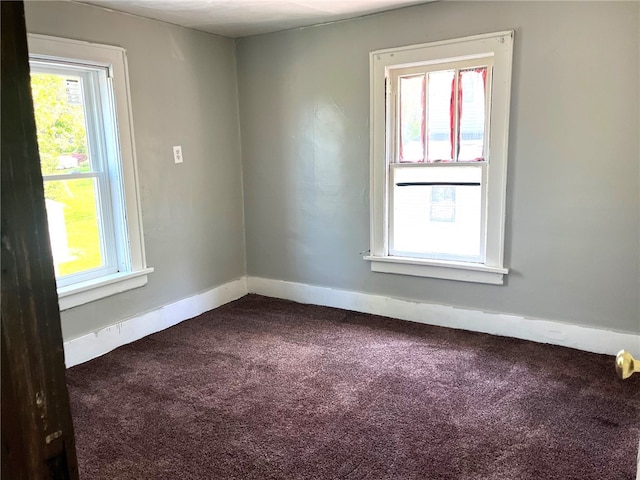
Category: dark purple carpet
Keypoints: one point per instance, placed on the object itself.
(270, 389)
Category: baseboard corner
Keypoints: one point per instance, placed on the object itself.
(94, 344)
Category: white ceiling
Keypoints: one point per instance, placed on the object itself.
(241, 18)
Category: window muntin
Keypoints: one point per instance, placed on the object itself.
(467, 90)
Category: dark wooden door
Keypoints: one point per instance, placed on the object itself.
(37, 433)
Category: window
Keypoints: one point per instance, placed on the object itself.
(439, 135)
(87, 160)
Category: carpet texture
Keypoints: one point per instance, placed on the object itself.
(270, 389)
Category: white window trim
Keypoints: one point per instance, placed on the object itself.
(134, 274)
(97, 288)
(499, 45)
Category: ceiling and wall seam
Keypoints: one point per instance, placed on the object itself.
(248, 18)
(113, 10)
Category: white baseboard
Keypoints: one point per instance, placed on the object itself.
(564, 334)
(92, 345)
(95, 344)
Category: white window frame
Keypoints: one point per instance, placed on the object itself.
(383, 63)
(124, 207)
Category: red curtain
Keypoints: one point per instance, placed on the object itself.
(452, 118)
(455, 145)
(424, 119)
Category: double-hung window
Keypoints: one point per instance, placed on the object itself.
(439, 131)
(87, 160)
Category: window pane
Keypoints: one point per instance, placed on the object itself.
(74, 227)
(435, 218)
(411, 119)
(439, 116)
(472, 114)
(60, 121)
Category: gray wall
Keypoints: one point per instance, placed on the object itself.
(183, 92)
(572, 240)
(573, 219)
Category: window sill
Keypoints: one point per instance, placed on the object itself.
(462, 272)
(91, 290)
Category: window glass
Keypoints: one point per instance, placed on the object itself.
(472, 114)
(60, 122)
(439, 146)
(70, 127)
(437, 212)
(74, 225)
(411, 142)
